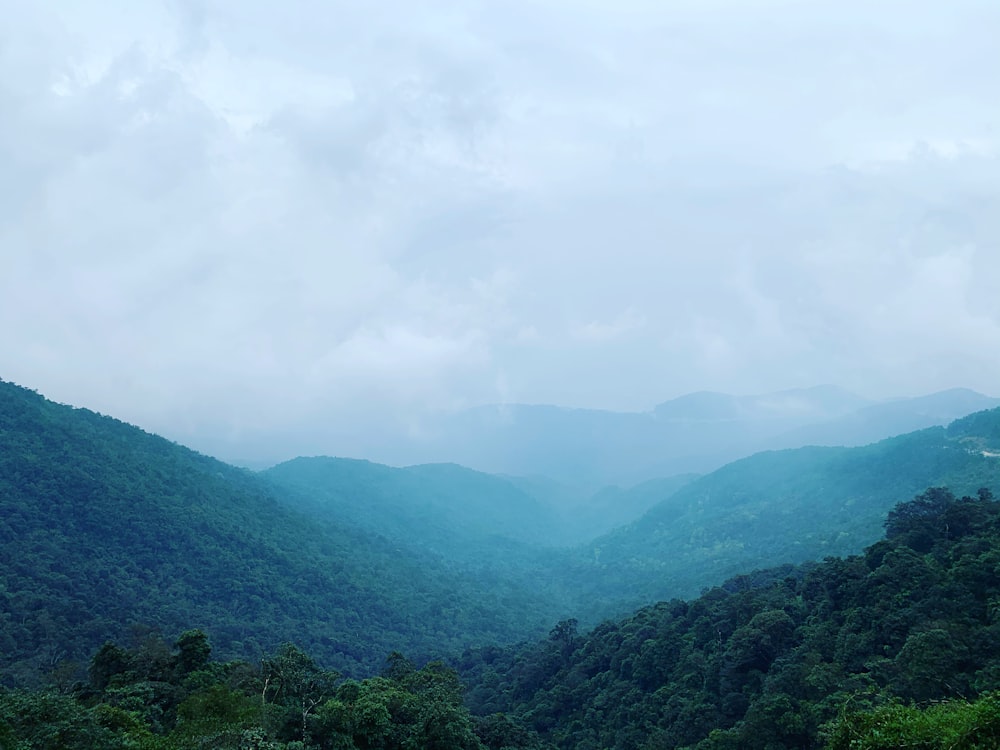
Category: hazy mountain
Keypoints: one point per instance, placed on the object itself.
(877, 421)
(697, 433)
(813, 404)
(103, 525)
(785, 506)
(460, 514)
(767, 659)
(771, 508)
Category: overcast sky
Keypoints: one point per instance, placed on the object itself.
(232, 218)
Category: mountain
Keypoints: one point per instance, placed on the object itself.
(614, 506)
(892, 648)
(782, 507)
(772, 508)
(466, 517)
(104, 527)
(895, 647)
(813, 404)
(462, 516)
(696, 433)
(878, 421)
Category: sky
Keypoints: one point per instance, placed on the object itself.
(233, 219)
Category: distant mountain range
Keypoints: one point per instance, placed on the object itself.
(696, 433)
(784, 506)
(105, 528)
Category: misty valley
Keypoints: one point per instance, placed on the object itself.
(500, 375)
(844, 595)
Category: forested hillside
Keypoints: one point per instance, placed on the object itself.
(783, 507)
(897, 647)
(771, 508)
(463, 516)
(103, 526)
(785, 658)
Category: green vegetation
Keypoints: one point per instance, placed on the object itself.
(954, 724)
(103, 525)
(154, 696)
(772, 659)
(782, 507)
(109, 535)
(467, 519)
(893, 648)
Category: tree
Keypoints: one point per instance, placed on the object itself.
(194, 651)
(293, 680)
(917, 521)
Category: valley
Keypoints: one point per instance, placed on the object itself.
(110, 533)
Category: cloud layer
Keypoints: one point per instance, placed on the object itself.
(232, 219)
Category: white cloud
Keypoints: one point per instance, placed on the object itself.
(629, 321)
(220, 218)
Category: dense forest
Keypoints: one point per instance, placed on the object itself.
(103, 525)
(156, 695)
(768, 659)
(123, 554)
(783, 506)
(896, 647)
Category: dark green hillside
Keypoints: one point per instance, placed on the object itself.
(786, 658)
(781, 507)
(103, 525)
(466, 521)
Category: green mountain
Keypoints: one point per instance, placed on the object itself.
(461, 515)
(893, 648)
(103, 526)
(770, 509)
(782, 507)
(822, 655)
(454, 512)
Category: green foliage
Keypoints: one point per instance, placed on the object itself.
(287, 702)
(953, 724)
(102, 525)
(780, 507)
(48, 721)
(766, 660)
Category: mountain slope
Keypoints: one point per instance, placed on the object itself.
(464, 516)
(103, 525)
(895, 417)
(784, 506)
(445, 508)
(767, 659)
